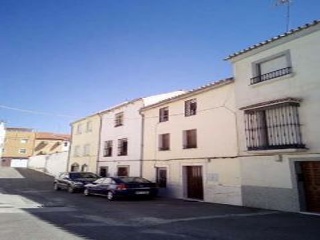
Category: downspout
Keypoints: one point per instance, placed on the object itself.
(70, 147)
(99, 142)
(142, 143)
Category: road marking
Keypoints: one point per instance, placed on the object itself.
(9, 209)
(150, 221)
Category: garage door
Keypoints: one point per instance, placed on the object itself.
(21, 163)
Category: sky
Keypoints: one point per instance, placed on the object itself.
(62, 60)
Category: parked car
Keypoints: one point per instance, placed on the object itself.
(74, 181)
(115, 187)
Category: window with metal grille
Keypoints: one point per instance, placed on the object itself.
(107, 150)
(118, 119)
(164, 142)
(190, 138)
(190, 107)
(164, 114)
(123, 147)
(273, 127)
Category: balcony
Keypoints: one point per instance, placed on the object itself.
(271, 75)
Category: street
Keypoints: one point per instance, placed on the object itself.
(31, 209)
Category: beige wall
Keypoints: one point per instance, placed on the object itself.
(216, 145)
(86, 137)
(16, 140)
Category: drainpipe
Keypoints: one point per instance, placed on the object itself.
(142, 143)
(69, 152)
(99, 142)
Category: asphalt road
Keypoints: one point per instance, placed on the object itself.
(31, 210)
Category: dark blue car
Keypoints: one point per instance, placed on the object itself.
(115, 187)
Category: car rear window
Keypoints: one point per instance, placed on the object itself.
(83, 175)
(134, 180)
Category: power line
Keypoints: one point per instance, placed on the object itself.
(35, 112)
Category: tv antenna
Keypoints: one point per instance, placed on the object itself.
(286, 3)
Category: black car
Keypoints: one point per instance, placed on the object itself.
(74, 181)
(115, 187)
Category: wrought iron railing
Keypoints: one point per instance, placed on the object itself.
(274, 74)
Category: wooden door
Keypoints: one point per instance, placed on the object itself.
(194, 182)
(310, 172)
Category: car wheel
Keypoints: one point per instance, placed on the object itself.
(110, 196)
(70, 189)
(56, 187)
(86, 192)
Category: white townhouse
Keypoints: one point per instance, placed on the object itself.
(190, 145)
(277, 89)
(121, 137)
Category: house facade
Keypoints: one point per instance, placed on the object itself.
(121, 137)
(85, 135)
(277, 89)
(18, 147)
(2, 135)
(49, 143)
(190, 145)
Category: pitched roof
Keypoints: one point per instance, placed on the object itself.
(291, 32)
(192, 92)
(52, 136)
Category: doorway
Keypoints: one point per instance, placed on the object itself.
(194, 182)
(308, 176)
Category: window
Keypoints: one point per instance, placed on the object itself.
(161, 177)
(190, 138)
(22, 151)
(65, 144)
(272, 67)
(190, 107)
(24, 140)
(164, 114)
(79, 129)
(107, 150)
(76, 151)
(122, 147)
(123, 171)
(103, 171)
(86, 150)
(273, 127)
(164, 142)
(118, 119)
(89, 126)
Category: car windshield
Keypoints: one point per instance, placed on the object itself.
(83, 175)
(134, 180)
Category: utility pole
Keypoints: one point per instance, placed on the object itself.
(288, 5)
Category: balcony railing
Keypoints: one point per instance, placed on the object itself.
(277, 73)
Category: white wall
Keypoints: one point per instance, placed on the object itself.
(131, 129)
(52, 164)
(303, 83)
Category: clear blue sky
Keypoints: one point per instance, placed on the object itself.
(76, 57)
